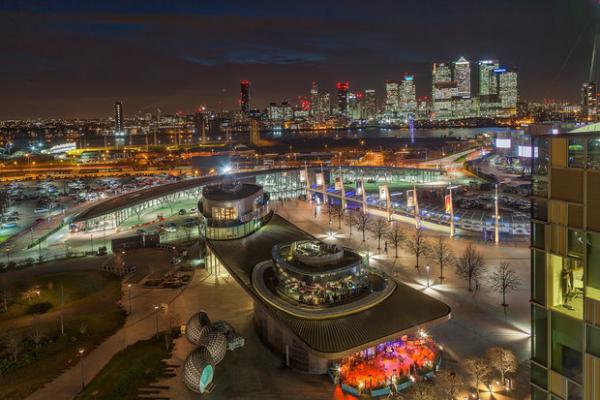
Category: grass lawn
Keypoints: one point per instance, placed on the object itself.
(91, 314)
(132, 368)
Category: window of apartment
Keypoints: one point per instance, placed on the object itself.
(538, 394)
(565, 285)
(539, 335)
(593, 341)
(539, 375)
(541, 163)
(538, 284)
(575, 243)
(593, 266)
(539, 209)
(567, 336)
(539, 186)
(574, 391)
(538, 235)
(576, 152)
(593, 161)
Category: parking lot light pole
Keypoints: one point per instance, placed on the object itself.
(129, 291)
(156, 318)
(496, 218)
(428, 268)
(81, 351)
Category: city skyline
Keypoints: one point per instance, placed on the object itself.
(70, 62)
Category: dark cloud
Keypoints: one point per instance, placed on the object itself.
(74, 58)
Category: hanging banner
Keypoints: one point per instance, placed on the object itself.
(359, 188)
(319, 178)
(303, 173)
(410, 203)
(338, 183)
(383, 192)
(448, 203)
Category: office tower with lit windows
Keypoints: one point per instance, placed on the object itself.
(245, 96)
(119, 127)
(342, 98)
(325, 104)
(565, 262)
(392, 97)
(442, 91)
(589, 102)
(314, 99)
(408, 96)
(487, 82)
(462, 77)
(370, 104)
(508, 93)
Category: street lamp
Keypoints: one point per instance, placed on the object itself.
(81, 351)
(156, 319)
(129, 291)
(427, 268)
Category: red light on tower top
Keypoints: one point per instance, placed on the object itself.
(343, 85)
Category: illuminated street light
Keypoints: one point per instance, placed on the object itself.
(81, 351)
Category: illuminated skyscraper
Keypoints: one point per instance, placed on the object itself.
(487, 84)
(370, 104)
(408, 95)
(314, 99)
(342, 98)
(442, 91)
(325, 104)
(392, 97)
(589, 102)
(462, 76)
(508, 93)
(119, 128)
(245, 96)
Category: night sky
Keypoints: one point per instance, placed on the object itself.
(75, 58)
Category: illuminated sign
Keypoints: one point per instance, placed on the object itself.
(62, 148)
(499, 70)
(503, 143)
(383, 190)
(526, 152)
(319, 178)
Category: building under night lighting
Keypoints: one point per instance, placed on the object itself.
(245, 96)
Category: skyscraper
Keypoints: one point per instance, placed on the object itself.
(370, 104)
(442, 91)
(589, 102)
(324, 104)
(408, 95)
(508, 93)
(314, 100)
(342, 98)
(487, 84)
(462, 76)
(565, 261)
(245, 96)
(119, 128)
(392, 97)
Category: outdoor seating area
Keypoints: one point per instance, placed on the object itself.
(395, 363)
(328, 293)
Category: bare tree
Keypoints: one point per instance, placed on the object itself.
(416, 244)
(395, 236)
(378, 226)
(478, 369)
(447, 384)
(470, 265)
(12, 342)
(422, 390)
(337, 212)
(502, 360)
(362, 220)
(36, 334)
(350, 221)
(442, 253)
(504, 280)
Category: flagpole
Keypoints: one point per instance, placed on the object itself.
(451, 212)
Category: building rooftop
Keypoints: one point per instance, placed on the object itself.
(230, 191)
(314, 257)
(401, 312)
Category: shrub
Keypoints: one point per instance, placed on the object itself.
(39, 308)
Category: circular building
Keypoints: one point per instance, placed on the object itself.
(315, 273)
(233, 210)
(215, 342)
(198, 370)
(196, 326)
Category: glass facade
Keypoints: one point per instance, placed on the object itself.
(538, 276)
(593, 153)
(539, 335)
(567, 346)
(539, 375)
(593, 341)
(576, 152)
(593, 266)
